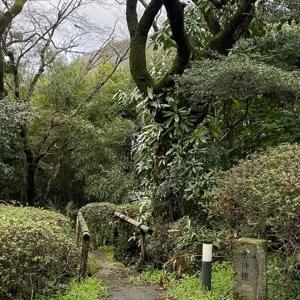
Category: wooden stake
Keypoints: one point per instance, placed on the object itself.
(82, 228)
(143, 248)
(84, 257)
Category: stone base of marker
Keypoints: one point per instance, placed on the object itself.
(250, 267)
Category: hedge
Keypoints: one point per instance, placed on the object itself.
(260, 197)
(37, 251)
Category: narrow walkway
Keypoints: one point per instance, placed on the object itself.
(122, 284)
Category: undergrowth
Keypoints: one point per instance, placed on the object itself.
(280, 286)
(190, 287)
(108, 251)
(87, 289)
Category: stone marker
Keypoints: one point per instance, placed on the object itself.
(250, 267)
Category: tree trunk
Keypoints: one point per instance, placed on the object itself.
(30, 183)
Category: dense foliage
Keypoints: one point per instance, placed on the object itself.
(202, 146)
(12, 117)
(37, 251)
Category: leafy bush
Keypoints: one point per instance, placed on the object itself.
(281, 286)
(245, 104)
(37, 252)
(159, 245)
(107, 229)
(108, 178)
(260, 197)
(178, 246)
(187, 179)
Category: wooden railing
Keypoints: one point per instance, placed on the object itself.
(82, 238)
(144, 229)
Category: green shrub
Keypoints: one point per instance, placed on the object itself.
(159, 245)
(106, 229)
(151, 275)
(281, 286)
(37, 252)
(260, 197)
(178, 246)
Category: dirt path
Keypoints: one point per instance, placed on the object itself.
(122, 284)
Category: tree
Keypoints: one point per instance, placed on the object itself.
(31, 49)
(223, 35)
(5, 21)
(224, 24)
(224, 105)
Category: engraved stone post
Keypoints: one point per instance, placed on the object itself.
(250, 266)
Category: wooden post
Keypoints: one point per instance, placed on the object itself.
(143, 248)
(77, 234)
(144, 229)
(84, 257)
(143, 256)
(83, 225)
(82, 228)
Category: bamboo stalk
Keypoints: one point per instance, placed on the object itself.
(77, 234)
(84, 228)
(143, 228)
(143, 248)
(81, 227)
(84, 258)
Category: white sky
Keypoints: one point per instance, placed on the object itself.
(103, 14)
(109, 14)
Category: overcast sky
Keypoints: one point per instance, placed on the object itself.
(109, 14)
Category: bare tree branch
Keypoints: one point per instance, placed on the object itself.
(99, 85)
(41, 155)
(5, 20)
(154, 24)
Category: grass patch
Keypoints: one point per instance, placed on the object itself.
(152, 276)
(190, 287)
(87, 289)
(108, 251)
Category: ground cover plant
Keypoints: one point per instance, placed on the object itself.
(189, 287)
(88, 289)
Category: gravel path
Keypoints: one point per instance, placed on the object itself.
(117, 277)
